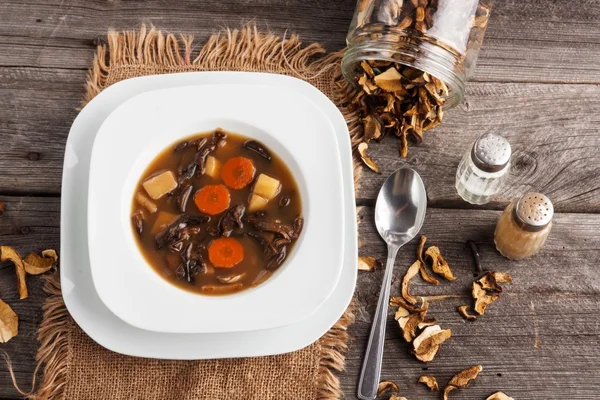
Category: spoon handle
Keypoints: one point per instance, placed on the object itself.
(371, 368)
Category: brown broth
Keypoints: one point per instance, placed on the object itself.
(165, 262)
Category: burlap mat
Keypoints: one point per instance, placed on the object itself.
(75, 367)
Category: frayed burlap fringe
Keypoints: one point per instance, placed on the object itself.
(54, 351)
(334, 345)
(244, 49)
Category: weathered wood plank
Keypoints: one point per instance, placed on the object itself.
(535, 342)
(553, 130)
(29, 224)
(554, 300)
(37, 107)
(527, 41)
(555, 152)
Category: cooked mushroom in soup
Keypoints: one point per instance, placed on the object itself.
(216, 213)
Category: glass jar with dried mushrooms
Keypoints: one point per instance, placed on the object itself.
(411, 59)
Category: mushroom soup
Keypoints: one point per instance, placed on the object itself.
(217, 213)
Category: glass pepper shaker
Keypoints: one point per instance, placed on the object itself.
(524, 226)
(483, 169)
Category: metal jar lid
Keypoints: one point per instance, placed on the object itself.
(491, 152)
(534, 211)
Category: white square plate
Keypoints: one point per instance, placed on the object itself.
(78, 291)
(287, 122)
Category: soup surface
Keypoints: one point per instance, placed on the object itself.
(216, 213)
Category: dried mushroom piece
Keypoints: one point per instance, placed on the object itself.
(386, 387)
(50, 253)
(412, 271)
(409, 319)
(486, 289)
(440, 266)
(362, 151)
(7, 253)
(464, 311)
(9, 323)
(2, 208)
(368, 263)
(390, 80)
(394, 397)
(462, 379)
(499, 396)
(429, 381)
(401, 302)
(35, 265)
(502, 277)
(482, 298)
(372, 128)
(423, 268)
(427, 344)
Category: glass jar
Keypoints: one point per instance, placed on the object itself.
(440, 37)
(483, 169)
(524, 226)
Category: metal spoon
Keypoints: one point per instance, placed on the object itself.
(399, 215)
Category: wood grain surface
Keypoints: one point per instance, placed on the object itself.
(537, 82)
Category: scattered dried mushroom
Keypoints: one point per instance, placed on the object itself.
(486, 289)
(397, 99)
(412, 271)
(7, 253)
(368, 263)
(423, 269)
(410, 318)
(9, 323)
(33, 264)
(499, 396)
(464, 311)
(439, 266)
(387, 386)
(394, 397)
(427, 344)
(462, 379)
(362, 151)
(429, 381)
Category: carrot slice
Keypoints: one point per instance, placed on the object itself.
(225, 252)
(238, 172)
(212, 199)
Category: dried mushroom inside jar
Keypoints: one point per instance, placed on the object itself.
(216, 213)
(398, 100)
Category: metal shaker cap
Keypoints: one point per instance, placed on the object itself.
(491, 152)
(534, 211)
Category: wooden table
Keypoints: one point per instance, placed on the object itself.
(537, 82)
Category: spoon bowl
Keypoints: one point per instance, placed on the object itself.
(400, 207)
(399, 214)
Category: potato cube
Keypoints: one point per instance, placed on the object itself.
(145, 202)
(159, 185)
(256, 203)
(212, 167)
(267, 187)
(162, 220)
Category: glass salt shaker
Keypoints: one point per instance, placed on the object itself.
(483, 169)
(524, 226)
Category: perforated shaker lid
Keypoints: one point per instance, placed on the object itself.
(534, 211)
(491, 152)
